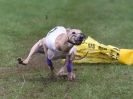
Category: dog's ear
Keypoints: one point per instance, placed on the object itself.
(68, 30)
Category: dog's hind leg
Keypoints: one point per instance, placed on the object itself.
(34, 49)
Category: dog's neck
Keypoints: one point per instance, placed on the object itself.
(69, 38)
(62, 43)
(68, 43)
(66, 47)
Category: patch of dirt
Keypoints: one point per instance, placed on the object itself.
(37, 62)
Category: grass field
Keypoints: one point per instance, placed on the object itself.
(23, 22)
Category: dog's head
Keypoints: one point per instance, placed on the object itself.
(75, 36)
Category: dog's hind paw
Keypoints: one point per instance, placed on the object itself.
(20, 61)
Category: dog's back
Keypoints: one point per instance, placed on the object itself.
(52, 35)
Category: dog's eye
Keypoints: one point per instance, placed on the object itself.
(73, 32)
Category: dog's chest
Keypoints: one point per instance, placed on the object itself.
(56, 54)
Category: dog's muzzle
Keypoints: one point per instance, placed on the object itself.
(77, 40)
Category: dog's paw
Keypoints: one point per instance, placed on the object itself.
(71, 76)
(20, 61)
(62, 75)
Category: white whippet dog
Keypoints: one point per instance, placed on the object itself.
(58, 44)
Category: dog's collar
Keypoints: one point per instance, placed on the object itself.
(71, 42)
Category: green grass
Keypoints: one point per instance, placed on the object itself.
(23, 22)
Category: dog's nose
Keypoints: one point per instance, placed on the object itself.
(82, 37)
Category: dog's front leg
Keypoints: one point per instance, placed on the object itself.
(48, 61)
(50, 64)
(69, 65)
